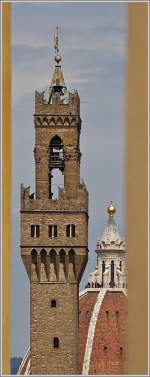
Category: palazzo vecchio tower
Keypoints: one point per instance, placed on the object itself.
(54, 232)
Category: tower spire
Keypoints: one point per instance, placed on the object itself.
(57, 85)
(56, 46)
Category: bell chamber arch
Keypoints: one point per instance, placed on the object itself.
(55, 160)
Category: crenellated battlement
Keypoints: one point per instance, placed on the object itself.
(30, 203)
(57, 106)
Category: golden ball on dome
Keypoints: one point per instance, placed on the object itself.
(111, 209)
(57, 58)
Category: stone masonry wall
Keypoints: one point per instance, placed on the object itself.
(48, 322)
(71, 207)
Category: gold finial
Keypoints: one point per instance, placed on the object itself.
(111, 209)
(56, 47)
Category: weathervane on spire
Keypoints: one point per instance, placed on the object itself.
(56, 46)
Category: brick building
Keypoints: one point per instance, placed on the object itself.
(70, 333)
(103, 306)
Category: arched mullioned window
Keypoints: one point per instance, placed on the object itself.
(35, 231)
(70, 230)
(52, 231)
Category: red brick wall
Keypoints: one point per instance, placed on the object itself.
(86, 305)
(109, 332)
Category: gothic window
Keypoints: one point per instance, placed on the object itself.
(53, 303)
(56, 156)
(56, 343)
(120, 265)
(34, 270)
(107, 314)
(70, 230)
(35, 231)
(52, 274)
(56, 166)
(52, 231)
(34, 255)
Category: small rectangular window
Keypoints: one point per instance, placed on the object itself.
(55, 230)
(32, 230)
(73, 230)
(53, 303)
(52, 231)
(35, 231)
(70, 230)
(56, 343)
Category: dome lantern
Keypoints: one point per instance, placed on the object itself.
(111, 209)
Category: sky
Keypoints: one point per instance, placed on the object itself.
(93, 48)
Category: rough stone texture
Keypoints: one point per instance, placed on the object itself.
(109, 332)
(48, 322)
(55, 265)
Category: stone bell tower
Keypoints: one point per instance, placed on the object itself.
(54, 232)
